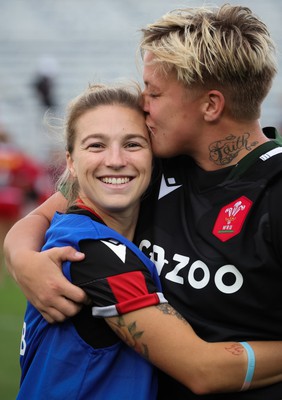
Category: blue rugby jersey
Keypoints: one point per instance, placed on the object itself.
(90, 363)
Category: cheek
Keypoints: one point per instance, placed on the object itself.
(167, 116)
(177, 120)
(82, 169)
(149, 170)
(143, 163)
(155, 109)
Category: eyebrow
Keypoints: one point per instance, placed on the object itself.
(92, 136)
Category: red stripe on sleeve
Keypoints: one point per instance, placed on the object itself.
(130, 291)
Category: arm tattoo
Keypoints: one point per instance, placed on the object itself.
(169, 310)
(223, 152)
(131, 335)
(236, 349)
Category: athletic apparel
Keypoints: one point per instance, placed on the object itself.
(215, 238)
(82, 358)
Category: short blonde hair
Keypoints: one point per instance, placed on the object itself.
(226, 48)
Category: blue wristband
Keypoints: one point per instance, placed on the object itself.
(251, 365)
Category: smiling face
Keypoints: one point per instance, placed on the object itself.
(173, 111)
(112, 159)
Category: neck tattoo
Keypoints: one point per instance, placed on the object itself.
(223, 152)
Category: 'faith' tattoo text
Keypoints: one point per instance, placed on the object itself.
(223, 152)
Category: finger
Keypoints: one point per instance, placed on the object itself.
(67, 310)
(65, 253)
(74, 293)
(53, 316)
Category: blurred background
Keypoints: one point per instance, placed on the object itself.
(71, 43)
(49, 51)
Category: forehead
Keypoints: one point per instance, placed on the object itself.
(107, 113)
(152, 75)
(155, 77)
(166, 83)
(111, 119)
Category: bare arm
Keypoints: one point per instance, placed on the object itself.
(41, 279)
(201, 366)
(162, 336)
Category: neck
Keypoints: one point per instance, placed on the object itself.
(221, 151)
(124, 222)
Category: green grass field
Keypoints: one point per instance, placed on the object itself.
(12, 307)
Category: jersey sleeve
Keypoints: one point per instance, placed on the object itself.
(114, 278)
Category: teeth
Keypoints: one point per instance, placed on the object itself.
(115, 181)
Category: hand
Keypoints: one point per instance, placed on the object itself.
(45, 286)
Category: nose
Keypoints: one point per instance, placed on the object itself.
(116, 158)
(145, 103)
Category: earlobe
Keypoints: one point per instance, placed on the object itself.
(214, 106)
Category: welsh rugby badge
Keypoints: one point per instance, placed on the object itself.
(231, 218)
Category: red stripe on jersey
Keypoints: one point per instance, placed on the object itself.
(138, 303)
(130, 291)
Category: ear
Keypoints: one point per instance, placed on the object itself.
(70, 164)
(214, 105)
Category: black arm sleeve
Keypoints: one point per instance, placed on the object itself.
(115, 278)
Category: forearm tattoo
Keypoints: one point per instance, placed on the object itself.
(223, 152)
(169, 310)
(131, 335)
(236, 349)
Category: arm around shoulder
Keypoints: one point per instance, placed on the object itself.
(29, 233)
(41, 278)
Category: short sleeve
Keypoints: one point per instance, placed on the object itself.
(115, 278)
